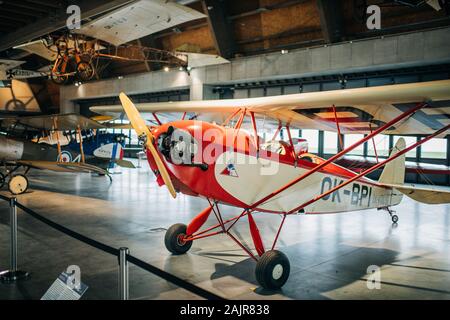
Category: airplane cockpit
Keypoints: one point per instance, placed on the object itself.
(275, 147)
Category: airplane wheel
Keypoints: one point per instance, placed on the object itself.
(272, 269)
(394, 218)
(173, 239)
(2, 180)
(18, 184)
(85, 70)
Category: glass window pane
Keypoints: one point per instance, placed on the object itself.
(409, 141)
(435, 149)
(350, 139)
(330, 144)
(134, 138)
(312, 137)
(381, 145)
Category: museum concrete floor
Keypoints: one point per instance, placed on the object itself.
(329, 254)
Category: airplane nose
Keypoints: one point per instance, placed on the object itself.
(10, 149)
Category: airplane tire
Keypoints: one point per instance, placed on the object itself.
(85, 70)
(18, 184)
(2, 180)
(272, 269)
(394, 218)
(173, 237)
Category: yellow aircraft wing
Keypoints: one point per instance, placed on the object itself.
(358, 110)
(69, 121)
(73, 167)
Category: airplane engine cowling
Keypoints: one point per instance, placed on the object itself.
(10, 149)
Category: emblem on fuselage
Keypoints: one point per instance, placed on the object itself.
(230, 171)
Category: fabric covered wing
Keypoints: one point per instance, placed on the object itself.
(358, 110)
(64, 166)
(426, 195)
(69, 121)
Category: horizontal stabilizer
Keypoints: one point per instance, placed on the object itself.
(430, 195)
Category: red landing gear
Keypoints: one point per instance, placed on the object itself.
(272, 266)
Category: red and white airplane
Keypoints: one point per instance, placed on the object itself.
(228, 165)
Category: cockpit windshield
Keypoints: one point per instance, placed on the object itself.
(274, 146)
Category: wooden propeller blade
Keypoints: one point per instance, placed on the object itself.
(141, 128)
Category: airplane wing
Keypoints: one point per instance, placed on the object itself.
(360, 163)
(138, 19)
(39, 48)
(423, 194)
(7, 64)
(358, 110)
(68, 121)
(63, 166)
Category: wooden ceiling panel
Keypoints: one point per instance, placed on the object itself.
(200, 37)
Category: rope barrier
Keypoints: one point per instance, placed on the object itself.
(113, 251)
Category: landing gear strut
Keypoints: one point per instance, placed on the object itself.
(272, 266)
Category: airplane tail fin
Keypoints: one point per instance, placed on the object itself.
(393, 176)
(394, 171)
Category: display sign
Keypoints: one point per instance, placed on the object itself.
(65, 287)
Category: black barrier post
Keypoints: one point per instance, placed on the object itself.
(13, 274)
(123, 274)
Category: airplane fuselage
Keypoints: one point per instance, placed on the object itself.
(12, 149)
(227, 167)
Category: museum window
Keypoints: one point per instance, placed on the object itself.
(409, 141)
(351, 139)
(434, 149)
(312, 136)
(381, 146)
(330, 142)
(134, 138)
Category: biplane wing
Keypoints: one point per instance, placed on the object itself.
(138, 19)
(357, 110)
(360, 163)
(7, 64)
(63, 166)
(69, 121)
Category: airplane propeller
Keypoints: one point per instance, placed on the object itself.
(141, 129)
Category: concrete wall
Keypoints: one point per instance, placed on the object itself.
(405, 50)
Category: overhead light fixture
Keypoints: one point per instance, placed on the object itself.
(120, 77)
(181, 68)
(166, 69)
(189, 68)
(284, 51)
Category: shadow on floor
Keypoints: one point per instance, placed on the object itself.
(309, 281)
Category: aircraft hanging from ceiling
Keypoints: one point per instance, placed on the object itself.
(9, 70)
(76, 55)
(137, 20)
(227, 165)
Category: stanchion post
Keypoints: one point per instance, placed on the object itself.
(123, 274)
(13, 274)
